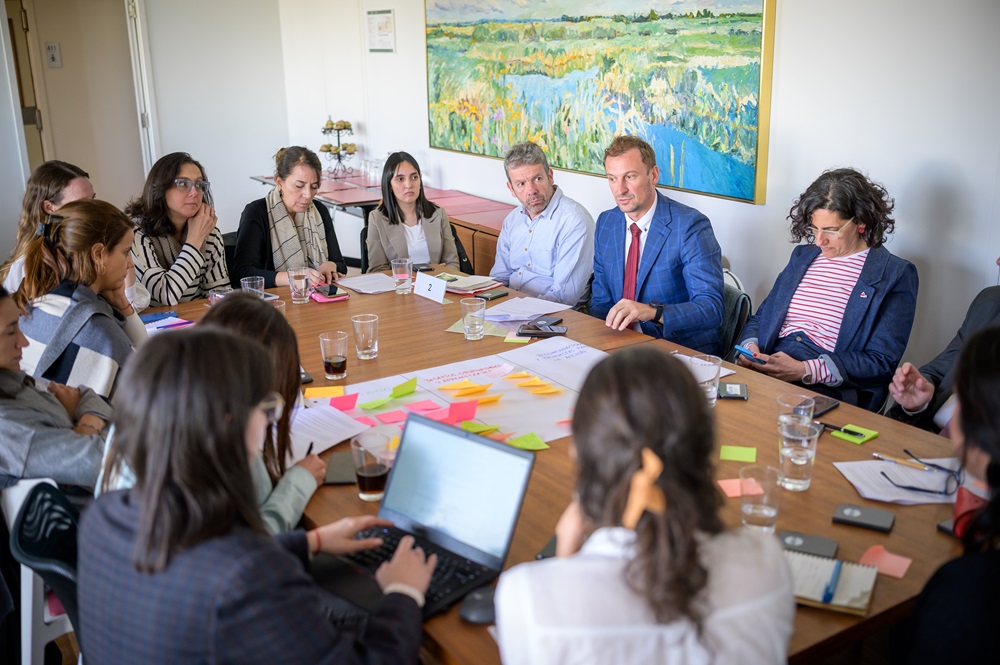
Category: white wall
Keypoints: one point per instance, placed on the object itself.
(903, 89)
(13, 153)
(220, 90)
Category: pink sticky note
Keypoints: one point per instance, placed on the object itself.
(392, 416)
(459, 411)
(439, 415)
(365, 420)
(731, 487)
(344, 402)
(887, 563)
(426, 405)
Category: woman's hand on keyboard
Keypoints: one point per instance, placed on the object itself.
(408, 566)
(340, 537)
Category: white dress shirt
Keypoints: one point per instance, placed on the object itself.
(549, 257)
(580, 610)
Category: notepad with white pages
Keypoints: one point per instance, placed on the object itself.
(811, 575)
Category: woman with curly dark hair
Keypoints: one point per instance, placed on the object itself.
(956, 615)
(839, 315)
(644, 571)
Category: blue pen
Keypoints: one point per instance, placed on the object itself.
(832, 586)
(175, 325)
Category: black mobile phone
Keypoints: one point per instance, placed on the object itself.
(732, 390)
(866, 518)
(548, 551)
(305, 377)
(947, 526)
(547, 320)
(528, 330)
(492, 294)
(823, 404)
(808, 544)
(423, 267)
(340, 469)
(326, 289)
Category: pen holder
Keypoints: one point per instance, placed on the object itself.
(869, 434)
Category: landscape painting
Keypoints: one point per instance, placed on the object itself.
(691, 77)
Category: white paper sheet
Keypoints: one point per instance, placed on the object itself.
(167, 324)
(866, 477)
(375, 282)
(324, 426)
(723, 371)
(562, 360)
(523, 309)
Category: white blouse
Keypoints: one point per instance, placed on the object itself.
(416, 244)
(580, 610)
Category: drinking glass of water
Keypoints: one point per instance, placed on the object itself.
(474, 318)
(798, 453)
(759, 493)
(298, 284)
(706, 373)
(402, 274)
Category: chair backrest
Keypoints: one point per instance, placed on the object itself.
(464, 264)
(43, 538)
(735, 312)
(364, 249)
(229, 244)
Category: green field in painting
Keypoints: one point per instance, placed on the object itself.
(570, 85)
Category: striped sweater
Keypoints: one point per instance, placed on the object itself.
(176, 273)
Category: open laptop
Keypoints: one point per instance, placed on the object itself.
(459, 495)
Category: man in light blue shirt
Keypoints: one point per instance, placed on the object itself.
(546, 246)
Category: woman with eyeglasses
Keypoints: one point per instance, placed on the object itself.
(956, 616)
(179, 253)
(179, 568)
(407, 225)
(283, 491)
(81, 326)
(645, 572)
(839, 315)
(287, 229)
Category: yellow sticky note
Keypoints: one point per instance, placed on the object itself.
(534, 382)
(324, 391)
(394, 443)
(472, 391)
(738, 454)
(488, 399)
(478, 428)
(459, 385)
(517, 375)
(547, 390)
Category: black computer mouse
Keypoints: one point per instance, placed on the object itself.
(478, 606)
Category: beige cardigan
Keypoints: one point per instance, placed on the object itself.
(388, 241)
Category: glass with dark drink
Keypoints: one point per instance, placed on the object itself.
(333, 347)
(372, 459)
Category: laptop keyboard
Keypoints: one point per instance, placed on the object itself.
(451, 573)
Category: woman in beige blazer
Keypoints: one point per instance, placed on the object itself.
(406, 224)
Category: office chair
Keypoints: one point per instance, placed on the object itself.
(464, 264)
(229, 244)
(364, 249)
(43, 538)
(735, 312)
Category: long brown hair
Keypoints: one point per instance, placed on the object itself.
(46, 183)
(251, 317)
(180, 422)
(642, 398)
(62, 248)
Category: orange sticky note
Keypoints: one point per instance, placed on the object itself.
(472, 391)
(547, 390)
(324, 391)
(517, 375)
(887, 563)
(534, 382)
(500, 436)
(733, 489)
(488, 399)
(458, 385)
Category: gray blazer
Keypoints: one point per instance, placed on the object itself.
(388, 241)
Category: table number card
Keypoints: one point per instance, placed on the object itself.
(429, 287)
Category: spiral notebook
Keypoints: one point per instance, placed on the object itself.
(811, 575)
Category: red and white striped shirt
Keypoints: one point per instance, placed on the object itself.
(817, 307)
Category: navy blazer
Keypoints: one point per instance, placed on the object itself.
(241, 597)
(874, 331)
(680, 266)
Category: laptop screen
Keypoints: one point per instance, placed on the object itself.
(457, 489)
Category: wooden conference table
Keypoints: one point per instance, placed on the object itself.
(412, 336)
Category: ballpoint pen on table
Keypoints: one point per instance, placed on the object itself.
(828, 592)
(180, 324)
(841, 429)
(903, 462)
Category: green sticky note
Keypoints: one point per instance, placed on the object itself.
(478, 428)
(374, 404)
(738, 454)
(530, 441)
(868, 434)
(404, 389)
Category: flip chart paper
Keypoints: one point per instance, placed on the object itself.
(458, 385)
(517, 375)
(324, 391)
(738, 454)
(530, 441)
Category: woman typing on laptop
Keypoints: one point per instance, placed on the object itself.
(179, 569)
(644, 570)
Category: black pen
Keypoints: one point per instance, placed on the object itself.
(309, 450)
(841, 429)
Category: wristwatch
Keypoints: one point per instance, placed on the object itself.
(659, 311)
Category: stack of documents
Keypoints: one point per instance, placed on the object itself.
(375, 282)
(523, 309)
(467, 285)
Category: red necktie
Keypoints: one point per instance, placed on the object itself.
(632, 263)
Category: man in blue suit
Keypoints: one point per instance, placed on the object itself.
(676, 291)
